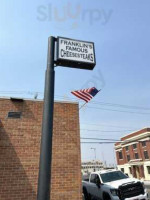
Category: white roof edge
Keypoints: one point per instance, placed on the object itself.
(134, 132)
(41, 100)
(71, 102)
(131, 134)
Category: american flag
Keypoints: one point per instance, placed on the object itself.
(86, 94)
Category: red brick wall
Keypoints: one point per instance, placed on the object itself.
(20, 145)
(117, 157)
(131, 152)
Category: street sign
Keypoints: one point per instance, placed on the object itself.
(75, 53)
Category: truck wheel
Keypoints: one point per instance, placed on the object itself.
(106, 196)
(85, 195)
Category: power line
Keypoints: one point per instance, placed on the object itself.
(18, 92)
(115, 140)
(108, 125)
(29, 92)
(123, 111)
(105, 130)
(102, 134)
(121, 105)
(109, 140)
(111, 104)
(92, 102)
(98, 142)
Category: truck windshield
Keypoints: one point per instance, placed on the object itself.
(112, 176)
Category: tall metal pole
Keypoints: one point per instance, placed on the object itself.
(94, 152)
(95, 156)
(44, 181)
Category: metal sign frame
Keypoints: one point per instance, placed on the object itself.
(74, 63)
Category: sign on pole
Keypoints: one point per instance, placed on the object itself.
(75, 53)
(70, 53)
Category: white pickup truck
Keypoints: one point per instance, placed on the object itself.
(113, 185)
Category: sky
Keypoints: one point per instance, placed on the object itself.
(120, 31)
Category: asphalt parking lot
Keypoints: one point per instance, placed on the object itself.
(148, 189)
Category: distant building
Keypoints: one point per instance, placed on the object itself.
(91, 166)
(133, 154)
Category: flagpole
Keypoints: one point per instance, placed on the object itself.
(83, 105)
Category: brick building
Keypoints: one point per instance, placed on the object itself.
(133, 154)
(20, 135)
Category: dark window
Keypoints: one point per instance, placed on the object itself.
(128, 157)
(120, 155)
(136, 155)
(92, 178)
(134, 146)
(130, 170)
(122, 169)
(146, 156)
(127, 148)
(143, 143)
(14, 115)
(112, 176)
(97, 178)
(148, 169)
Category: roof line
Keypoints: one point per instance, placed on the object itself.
(40, 100)
(134, 132)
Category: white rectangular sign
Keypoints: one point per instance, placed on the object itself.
(76, 53)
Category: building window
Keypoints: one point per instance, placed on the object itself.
(14, 115)
(143, 143)
(136, 155)
(122, 169)
(127, 148)
(130, 170)
(134, 146)
(128, 157)
(148, 169)
(146, 156)
(120, 155)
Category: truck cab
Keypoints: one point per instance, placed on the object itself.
(113, 185)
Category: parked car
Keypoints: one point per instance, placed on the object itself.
(113, 185)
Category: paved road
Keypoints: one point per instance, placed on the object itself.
(147, 186)
(148, 189)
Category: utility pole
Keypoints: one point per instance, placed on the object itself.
(94, 152)
(44, 181)
(95, 157)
